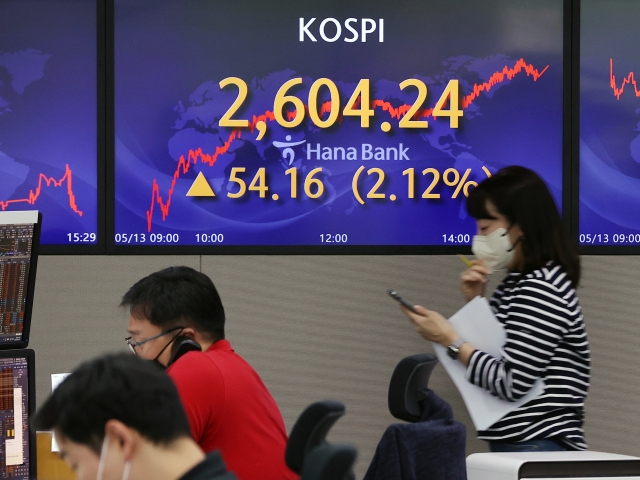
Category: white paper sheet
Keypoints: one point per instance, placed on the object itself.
(476, 323)
(13, 446)
(56, 379)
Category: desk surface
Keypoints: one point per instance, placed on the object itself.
(49, 464)
(552, 465)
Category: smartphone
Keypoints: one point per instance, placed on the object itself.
(396, 296)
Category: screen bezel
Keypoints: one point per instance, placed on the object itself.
(118, 249)
(31, 401)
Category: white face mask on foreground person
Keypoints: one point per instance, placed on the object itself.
(103, 458)
(495, 249)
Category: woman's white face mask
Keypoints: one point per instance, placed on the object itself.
(495, 249)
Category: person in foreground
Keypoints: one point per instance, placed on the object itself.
(228, 406)
(118, 417)
(519, 229)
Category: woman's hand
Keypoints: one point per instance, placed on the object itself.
(431, 325)
(473, 281)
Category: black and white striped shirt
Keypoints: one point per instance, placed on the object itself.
(546, 338)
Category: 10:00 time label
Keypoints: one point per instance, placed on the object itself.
(209, 237)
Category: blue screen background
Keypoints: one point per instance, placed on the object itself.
(170, 56)
(48, 115)
(609, 124)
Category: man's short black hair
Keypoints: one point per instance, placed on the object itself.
(115, 387)
(178, 296)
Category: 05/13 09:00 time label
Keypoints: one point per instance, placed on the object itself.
(617, 238)
(146, 238)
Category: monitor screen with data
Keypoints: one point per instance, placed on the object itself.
(49, 117)
(19, 237)
(609, 120)
(17, 400)
(326, 123)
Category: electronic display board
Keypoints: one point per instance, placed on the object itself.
(48, 116)
(315, 124)
(609, 207)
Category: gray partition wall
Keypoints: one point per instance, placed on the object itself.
(317, 327)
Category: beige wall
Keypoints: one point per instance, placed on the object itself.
(318, 327)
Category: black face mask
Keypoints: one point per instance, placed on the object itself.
(156, 361)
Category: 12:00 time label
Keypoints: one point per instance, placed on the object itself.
(333, 238)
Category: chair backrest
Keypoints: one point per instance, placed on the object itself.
(310, 431)
(408, 383)
(329, 462)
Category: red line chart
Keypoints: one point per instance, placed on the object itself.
(195, 156)
(628, 80)
(45, 181)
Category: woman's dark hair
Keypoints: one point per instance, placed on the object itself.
(115, 387)
(523, 198)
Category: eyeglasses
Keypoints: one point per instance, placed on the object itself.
(132, 345)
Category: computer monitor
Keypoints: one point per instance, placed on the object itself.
(19, 240)
(17, 403)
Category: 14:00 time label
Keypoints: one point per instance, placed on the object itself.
(459, 238)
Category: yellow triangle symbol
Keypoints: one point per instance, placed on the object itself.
(200, 188)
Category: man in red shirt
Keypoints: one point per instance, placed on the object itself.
(228, 406)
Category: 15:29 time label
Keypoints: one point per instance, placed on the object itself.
(85, 237)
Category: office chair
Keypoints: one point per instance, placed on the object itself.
(329, 462)
(310, 431)
(433, 444)
(408, 387)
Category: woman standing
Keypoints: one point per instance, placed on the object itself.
(519, 228)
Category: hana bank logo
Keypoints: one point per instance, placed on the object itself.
(288, 153)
